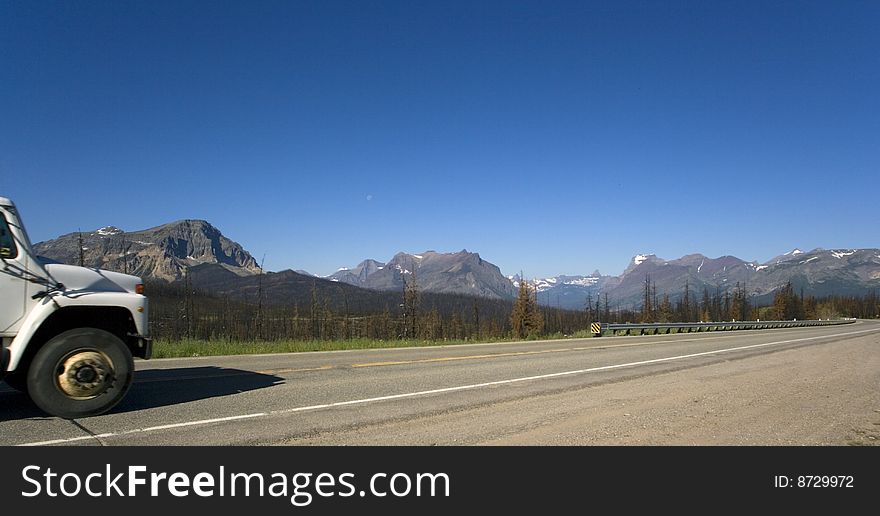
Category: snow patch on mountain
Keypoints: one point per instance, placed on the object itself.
(543, 284)
(584, 282)
(108, 231)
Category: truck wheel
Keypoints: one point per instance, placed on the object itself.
(80, 373)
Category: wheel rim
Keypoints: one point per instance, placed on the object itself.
(84, 374)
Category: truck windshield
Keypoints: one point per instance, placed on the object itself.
(7, 244)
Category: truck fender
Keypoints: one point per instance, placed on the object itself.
(30, 326)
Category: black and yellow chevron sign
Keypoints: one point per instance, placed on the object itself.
(596, 327)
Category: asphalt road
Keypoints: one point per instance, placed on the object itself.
(786, 386)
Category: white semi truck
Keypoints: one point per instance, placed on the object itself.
(69, 334)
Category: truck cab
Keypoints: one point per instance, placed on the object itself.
(69, 334)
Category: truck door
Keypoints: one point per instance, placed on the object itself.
(12, 285)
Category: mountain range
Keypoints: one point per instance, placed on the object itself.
(219, 264)
(569, 292)
(452, 273)
(819, 272)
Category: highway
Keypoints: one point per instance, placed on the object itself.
(813, 386)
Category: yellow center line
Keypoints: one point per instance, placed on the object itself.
(497, 355)
(300, 370)
(466, 357)
(226, 375)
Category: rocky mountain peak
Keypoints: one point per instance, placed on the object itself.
(162, 252)
(638, 260)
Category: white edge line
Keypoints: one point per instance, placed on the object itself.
(147, 429)
(436, 391)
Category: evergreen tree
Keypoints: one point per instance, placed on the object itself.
(526, 319)
(725, 316)
(706, 306)
(411, 299)
(786, 303)
(684, 308)
(82, 256)
(665, 309)
(476, 333)
(740, 310)
(647, 308)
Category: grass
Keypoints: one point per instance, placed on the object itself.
(196, 348)
(165, 348)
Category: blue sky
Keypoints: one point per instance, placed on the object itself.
(550, 137)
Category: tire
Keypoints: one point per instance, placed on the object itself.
(80, 373)
(17, 380)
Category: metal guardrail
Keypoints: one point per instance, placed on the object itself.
(666, 328)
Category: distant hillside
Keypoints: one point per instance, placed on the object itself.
(288, 288)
